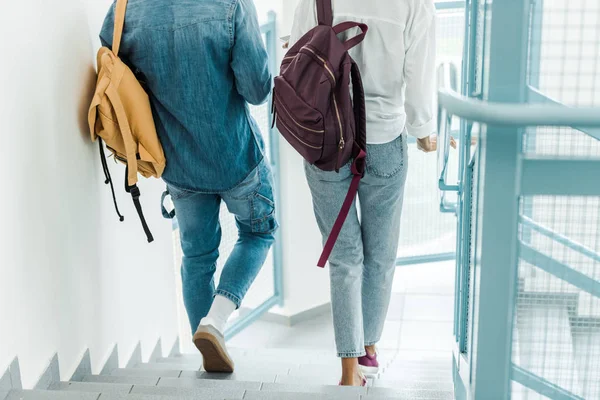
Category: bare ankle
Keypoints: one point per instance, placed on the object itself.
(351, 375)
(371, 350)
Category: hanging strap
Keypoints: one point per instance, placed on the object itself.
(339, 223)
(135, 196)
(360, 113)
(120, 10)
(167, 214)
(109, 180)
(358, 165)
(325, 12)
(356, 40)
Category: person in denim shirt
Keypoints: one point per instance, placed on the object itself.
(202, 62)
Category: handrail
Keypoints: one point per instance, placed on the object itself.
(506, 114)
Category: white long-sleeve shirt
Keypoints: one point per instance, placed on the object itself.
(396, 60)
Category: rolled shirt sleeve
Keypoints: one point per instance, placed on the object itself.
(419, 73)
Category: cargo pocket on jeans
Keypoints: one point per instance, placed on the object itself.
(263, 214)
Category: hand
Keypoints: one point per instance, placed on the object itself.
(286, 45)
(429, 144)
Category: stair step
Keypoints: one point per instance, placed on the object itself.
(409, 394)
(330, 390)
(131, 396)
(198, 393)
(189, 370)
(248, 376)
(163, 373)
(410, 384)
(259, 359)
(50, 395)
(133, 380)
(264, 395)
(208, 383)
(401, 373)
(168, 367)
(328, 379)
(92, 387)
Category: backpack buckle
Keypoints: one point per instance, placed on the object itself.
(135, 191)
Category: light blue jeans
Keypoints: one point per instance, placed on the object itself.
(253, 205)
(363, 260)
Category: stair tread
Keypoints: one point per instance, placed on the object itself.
(50, 395)
(133, 396)
(237, 376)
(323, 359)
(404, 371)
(199, 393)
(328, 379)
(409, 396)
(92, 387)
(316, 389)
(132, 380)
(208, 383)
(139, 372)
(266, 395)
(412, 394)
(414, 385)
(168, 367)
(190, 371)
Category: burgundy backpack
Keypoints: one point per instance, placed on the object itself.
(313, 107)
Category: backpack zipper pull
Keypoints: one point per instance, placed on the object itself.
(339, 158)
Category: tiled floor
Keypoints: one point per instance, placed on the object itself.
(419, 320)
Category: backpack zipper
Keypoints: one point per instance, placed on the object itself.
(296, 122)
(297, 138)
(342, 143)
(323, 61)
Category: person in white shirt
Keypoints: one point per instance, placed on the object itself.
(397, 63)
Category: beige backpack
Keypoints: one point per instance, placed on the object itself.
(121, 116)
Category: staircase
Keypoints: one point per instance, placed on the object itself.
(278, 374)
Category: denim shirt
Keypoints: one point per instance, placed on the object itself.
(202, 62)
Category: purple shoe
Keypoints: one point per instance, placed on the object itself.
(368, 364)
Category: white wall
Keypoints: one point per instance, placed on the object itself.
(306, 286)
(71, 275)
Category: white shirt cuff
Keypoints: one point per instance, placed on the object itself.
(423, 131)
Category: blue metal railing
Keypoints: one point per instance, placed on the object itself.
(535, 115)
(509, 264)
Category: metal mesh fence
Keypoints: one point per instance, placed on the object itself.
(557, 324)
(564, 65)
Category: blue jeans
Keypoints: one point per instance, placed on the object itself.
(363, 261)
(253, 205)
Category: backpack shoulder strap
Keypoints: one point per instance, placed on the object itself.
(120, 10)
(360, 111)
(325, 12)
